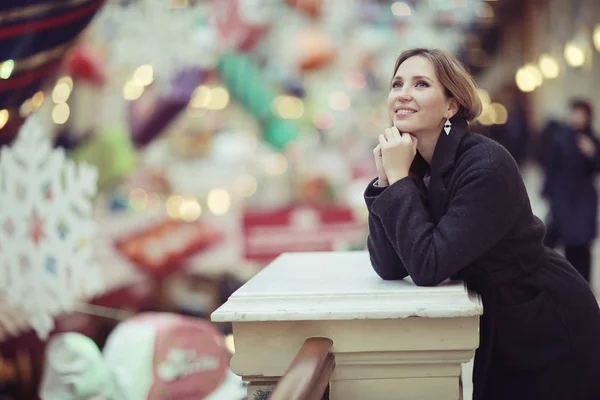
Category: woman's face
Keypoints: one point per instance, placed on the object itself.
(417, 102)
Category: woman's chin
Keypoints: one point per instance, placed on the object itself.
(403, 126)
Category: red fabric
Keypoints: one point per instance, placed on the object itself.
(30, 27)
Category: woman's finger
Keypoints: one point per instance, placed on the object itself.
(396, 133)
(388, 135)
(406, 138)
(382, 139)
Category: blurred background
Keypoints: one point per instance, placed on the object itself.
(225, 132)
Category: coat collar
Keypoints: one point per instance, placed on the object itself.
(444, 154)
(444, 157)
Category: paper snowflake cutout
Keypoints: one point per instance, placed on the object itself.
(152, 32)
(46, 229)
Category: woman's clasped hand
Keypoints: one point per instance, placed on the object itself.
(394, 155)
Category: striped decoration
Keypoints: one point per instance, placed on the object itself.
(35, 35)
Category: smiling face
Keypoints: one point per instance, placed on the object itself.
(417, 102)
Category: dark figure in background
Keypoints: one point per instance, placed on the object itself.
(514, 133)
(571, 161)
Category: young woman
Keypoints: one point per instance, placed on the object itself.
(451, 204)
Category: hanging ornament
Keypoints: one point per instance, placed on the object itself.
(310, 7)
(35, 37)
(46, 229)
(111, 151)
(245, 82)
(83, 64)
(279, 132)
(158, 115)
(159, 249)
(315, 49)
(240, 24)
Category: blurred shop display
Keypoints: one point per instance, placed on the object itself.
(178, 146)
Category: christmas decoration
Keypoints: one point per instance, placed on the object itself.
(166, 107)
(172, 357)
(240, 24)
(35, 36)
(315, 49)
(71, 355)
(310, 7)
(245, 81)
(84, 64)
(160, 248)
(112, 152)
(150, 32)
(269, 233)
(46, 229)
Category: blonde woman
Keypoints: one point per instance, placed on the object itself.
(448, 203)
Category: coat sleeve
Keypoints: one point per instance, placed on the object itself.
(478, 216)
(550, 165)
(384, 259)
(593, 162)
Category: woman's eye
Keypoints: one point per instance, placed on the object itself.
(396, 85)
(422, 84)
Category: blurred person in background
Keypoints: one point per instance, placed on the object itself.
(513, 134)
(571, 162)
(451, 204)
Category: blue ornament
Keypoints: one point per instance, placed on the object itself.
(51, 265)
(118, 202)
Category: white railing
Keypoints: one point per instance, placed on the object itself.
(388, 336)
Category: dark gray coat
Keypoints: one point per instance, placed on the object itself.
(540, 332)
(569, 186)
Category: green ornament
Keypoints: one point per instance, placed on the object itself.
(246, 83)
(279, 132)
(112, 152)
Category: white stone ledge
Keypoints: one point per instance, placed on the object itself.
(340, 286)
(391, 339)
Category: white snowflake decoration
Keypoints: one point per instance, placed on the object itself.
(46, 228)
(152, 32)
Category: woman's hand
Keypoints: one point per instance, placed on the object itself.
(382, 179)
(398, 151)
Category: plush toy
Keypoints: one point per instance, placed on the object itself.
(151, 356)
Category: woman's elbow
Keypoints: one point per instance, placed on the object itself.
(391, 275)
(388, 274)
(426, 281)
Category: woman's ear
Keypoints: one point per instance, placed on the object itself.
(452, 108)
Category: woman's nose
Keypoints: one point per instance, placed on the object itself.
(404, 94)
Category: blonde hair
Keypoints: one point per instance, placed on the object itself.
(457, 82)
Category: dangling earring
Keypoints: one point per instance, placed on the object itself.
(447, 126)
